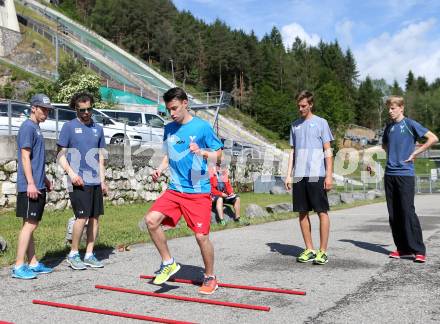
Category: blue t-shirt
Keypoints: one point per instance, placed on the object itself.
(83, 143)
(400, 139)
(189, 172)
(307, 137)
(30, 136)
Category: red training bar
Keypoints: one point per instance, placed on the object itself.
(3, 322)
(108, 312)
(274, 290)
(189, 299)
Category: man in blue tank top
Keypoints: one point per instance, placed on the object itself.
(399, 141)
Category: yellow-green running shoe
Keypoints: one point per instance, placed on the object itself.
(165, 272)
(306, 256)
(321, 258)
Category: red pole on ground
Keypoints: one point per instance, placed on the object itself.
(225, 285)
(189, 299)
(108, 312)
(3, 322)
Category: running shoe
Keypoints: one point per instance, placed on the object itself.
(209, 285)
(75, 262)
(420, 258)
(321, 258)
(93, 262)
(165, 272)
(241, 222)
(399, 254)
(40, 268)
(23, 272)
(306, 256)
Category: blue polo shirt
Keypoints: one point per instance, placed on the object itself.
(189, 172)
(30, 136)
(400, 139)
(83, 143)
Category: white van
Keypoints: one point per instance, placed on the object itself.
(149, 126)
(113, 130)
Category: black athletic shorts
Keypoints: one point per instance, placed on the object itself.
(30, 208)
(87, 201)
(309, 194)
(227, 200)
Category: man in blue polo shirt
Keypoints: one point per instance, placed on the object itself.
(81, 145)
(32, 185)
(399, 141)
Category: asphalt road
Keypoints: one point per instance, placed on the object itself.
(360, 284)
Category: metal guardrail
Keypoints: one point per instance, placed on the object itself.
(424, 183)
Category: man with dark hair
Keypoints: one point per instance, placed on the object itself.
(311, 162)
(81, 154)
(32, 185)
(189, 142)
(399, 141)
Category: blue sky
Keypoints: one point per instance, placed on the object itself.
(387, 37)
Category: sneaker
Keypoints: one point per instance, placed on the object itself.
(222, 222)
(40, 268)
(76, 263)
(321, 258)
(23, 272)
(165, 272)
(420, 258)
(93, 262)
(242, 222)
(399, 254)
(209, 285)
(306, 256)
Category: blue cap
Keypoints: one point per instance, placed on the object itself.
(41, 100)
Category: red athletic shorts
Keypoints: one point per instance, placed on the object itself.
(195, 208)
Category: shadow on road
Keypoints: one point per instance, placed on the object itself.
(55, 258)
(379, 248)
(285, 249)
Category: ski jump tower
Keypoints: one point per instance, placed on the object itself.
(10, 35)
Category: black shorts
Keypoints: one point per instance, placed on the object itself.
(227, 200)
(309, 194)
(87, 201)
(30, 208)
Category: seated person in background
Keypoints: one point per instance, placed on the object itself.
(222, 192)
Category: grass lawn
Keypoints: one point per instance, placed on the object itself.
(119, 226)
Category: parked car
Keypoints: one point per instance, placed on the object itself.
(19, 112)
(113, 130)
(150, 126)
